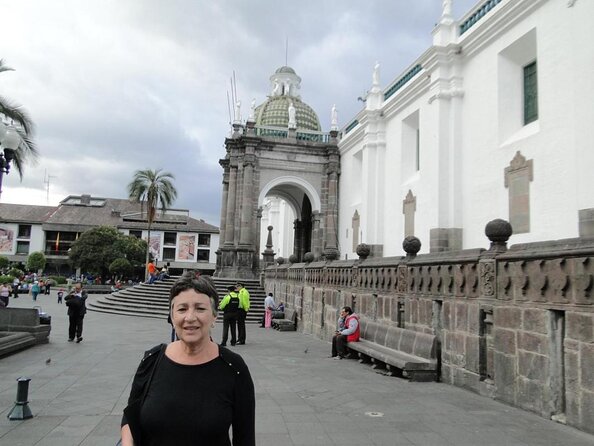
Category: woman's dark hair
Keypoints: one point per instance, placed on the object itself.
(349, 310)
(201, 284)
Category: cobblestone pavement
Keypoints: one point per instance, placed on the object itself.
(302, 396)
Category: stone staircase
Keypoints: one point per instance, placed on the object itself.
(145, 300)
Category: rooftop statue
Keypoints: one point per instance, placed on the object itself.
(334, 118)
(238, 112)
(376, 74)
(292, 120)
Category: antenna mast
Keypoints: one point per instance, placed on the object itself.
(46, 180)
(287, 51)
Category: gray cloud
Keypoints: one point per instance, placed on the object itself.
(117, 86)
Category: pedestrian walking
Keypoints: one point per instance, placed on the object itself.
(60, 295)
(15, 287)
(4, 294)
(75, 301)
(35, 290)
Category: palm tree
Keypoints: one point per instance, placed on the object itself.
(24, 126)
(154, 189)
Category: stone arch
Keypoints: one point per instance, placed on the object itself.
(289, 180)
(298, 195)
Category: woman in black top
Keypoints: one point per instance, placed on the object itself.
(191, 391)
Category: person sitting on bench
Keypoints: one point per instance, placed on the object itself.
(349, 332)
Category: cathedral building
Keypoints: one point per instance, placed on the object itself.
(492, 121)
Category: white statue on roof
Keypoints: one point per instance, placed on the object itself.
(237, 119)
(376, 74)
(292, 119)
(334, 119)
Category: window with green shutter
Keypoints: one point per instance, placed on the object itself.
(530, 94)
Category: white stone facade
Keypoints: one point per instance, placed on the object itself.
(446, 136)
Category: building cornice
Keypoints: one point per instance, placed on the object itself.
(499, 20)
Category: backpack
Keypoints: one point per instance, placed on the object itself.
(233, 305)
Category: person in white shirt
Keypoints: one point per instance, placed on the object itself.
(269, 307)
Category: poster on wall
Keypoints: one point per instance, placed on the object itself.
(155, 246)
(187, 247)
(6, 237)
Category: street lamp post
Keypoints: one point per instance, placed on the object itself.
(9, 141)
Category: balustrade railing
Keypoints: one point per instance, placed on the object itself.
(477, 15)
(300, 135)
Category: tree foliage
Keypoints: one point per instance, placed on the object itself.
(97, 248)
(4, 262)
(154, 190)
(16, 272)
(36, 261)
(27, 151)
(121, 267)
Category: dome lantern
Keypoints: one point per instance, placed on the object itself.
(274, 112)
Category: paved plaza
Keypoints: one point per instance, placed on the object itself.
(302, 396)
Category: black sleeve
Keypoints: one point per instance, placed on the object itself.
(141, 377)
(244, 409)
(135, 390)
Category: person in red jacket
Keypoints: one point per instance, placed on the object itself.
(349, 333)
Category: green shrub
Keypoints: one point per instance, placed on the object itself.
(6, 279)
(57, 280)
(36, 261)
(15, 272)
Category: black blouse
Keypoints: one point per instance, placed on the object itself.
(197, 404)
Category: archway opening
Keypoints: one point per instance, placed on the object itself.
(288, 209)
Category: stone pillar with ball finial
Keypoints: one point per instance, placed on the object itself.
(268, 254)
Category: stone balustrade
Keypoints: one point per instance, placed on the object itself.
(514, 324)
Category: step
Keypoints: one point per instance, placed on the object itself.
(144, 300)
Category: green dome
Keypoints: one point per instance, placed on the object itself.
(275, 113)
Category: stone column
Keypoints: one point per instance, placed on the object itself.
(230, 219)
(225, 165)
(297, 238)
(331, 248)
(316, 242)
(257, 236)
(246, 206)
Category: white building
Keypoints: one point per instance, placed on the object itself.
(494, 120)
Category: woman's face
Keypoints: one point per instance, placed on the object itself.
(192, 316)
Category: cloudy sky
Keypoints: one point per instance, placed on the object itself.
(119, 85)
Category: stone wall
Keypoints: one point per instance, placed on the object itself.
(516, 325)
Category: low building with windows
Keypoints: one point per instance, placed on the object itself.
(176, 238)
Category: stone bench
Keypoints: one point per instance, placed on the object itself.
(24, 320)
(289, 323)
(14, 341)
(97, 289)
(402, 352)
